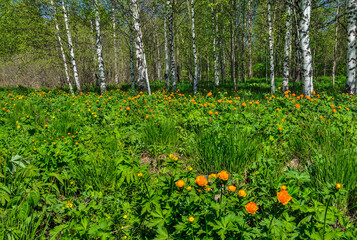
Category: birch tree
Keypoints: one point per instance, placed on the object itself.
(195, 77)
(143, 79)
(215, 55)
(99, 49)
(287, 47)
(250, 19)
(335, 46)
(116, 70)
(70, 45)
(305, 8)
(171, 44)
(167, 65)
(271, 49)
(59, 39)
(350, 87)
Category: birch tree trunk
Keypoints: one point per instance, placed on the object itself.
(70, 45)
(271, 49)
(59, 39)
(132, 76)
(167, 65)
(171, 44)
(286, 72)
(350, 87)
(143, 79)
(305, 6)
(195, 77)
(215, 55)
(250, 38)
(158, 60)
(335, 46)
(233, 46)
(99, 49)
(116, 73)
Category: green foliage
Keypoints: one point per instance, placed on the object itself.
(108, 166)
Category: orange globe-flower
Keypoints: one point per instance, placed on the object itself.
(251, 207)
(284, 197)
(338, 186)
(180, 183)
(223, 175)
(201, 181)
(242, 193)
(297, 105)
(232, 188)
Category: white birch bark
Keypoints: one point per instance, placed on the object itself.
(59, 39)
(335, 46)
(215, 55)
(171, 45)
(70, 45)
(99, 49)
(132, 75)
(116, 72)
(143, 78)
(167, 65)
(305, 6)
(158, 60)
(350, 87)
(250, 38)
(271, 49)
(287, 47)
(195, 77)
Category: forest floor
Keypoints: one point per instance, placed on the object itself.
(222, 164)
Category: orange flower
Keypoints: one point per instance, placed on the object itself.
(223, 175)
(201, 181)
(209, 94)
(210, 112)
(216, 113)
(338, 186)
(297, 105)
(244, 104)
(232, 188)
(251, 207)
(284, 197)
(242, 193)
(334, 110)
(212, 175)
(127, 108)
(280, 128)
(180, 183)
(321, 117)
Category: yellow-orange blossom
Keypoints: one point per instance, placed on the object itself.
(284, 197)
(201, 181)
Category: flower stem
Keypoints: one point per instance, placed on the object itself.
(328, 203)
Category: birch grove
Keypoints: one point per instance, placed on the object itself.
(203, 43)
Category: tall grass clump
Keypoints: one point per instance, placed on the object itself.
(230, 149)
(160, 136)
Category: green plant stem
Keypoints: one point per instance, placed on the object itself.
(328, 203)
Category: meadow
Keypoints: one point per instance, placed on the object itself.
(221, 164)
